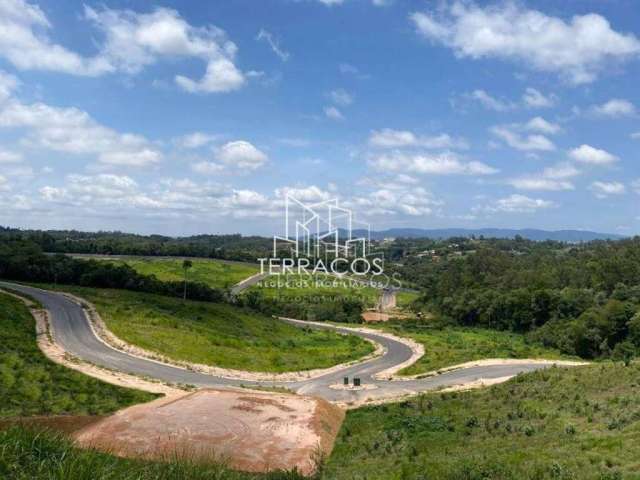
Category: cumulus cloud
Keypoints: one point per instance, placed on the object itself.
(72, 130)
(539, 124)
(554, 178)
(386, 202)
(237, 157)
(591, 155)
(578, 49)
(605, 189)
(525, 142)
(389, 138)
(24, 42)
(427, 164)
(615, 108)
(533, 98)
(131, 42)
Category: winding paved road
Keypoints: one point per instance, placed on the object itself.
(72, 331)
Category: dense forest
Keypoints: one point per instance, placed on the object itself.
(583, 299)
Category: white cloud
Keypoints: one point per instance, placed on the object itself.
(553, 178)
(635, 136)
(241, 155)
(604, 189)
(516, 203)
(340, 97)
(523, 142)
(385, 202)
(132, 41)
(7, 157)
(441, 164)
(266, 36)
(615, 108)
(195, 140)
(135, 40)
(540, 183)
(8, 83)
(333, 113)
(24, 43)
(71, 130)
(489, 102)
(539, 124)
(533, 98)
(591, 155)
(237, 157)
(560, 171)
(578, 49)
(311, 193)
(389, 138)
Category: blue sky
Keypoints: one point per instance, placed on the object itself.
(198, 117)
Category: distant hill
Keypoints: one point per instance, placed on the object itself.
(572, 236)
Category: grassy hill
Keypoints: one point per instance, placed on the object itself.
(561, 423)
(215, 273)
(30, 384)
(218, 334)
(449, 346)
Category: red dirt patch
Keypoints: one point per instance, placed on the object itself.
(257, 432)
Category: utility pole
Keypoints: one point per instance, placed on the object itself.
(186, 265)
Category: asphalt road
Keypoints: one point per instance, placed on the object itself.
(72, 331)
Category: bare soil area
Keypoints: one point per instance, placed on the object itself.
(250, 431)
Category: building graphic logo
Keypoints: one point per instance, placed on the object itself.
(322, 237)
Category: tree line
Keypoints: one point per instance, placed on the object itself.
(583, 299)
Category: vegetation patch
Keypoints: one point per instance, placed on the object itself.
(217, 334)
(448, 346)
(559, 423)
(30, 384)
(26, 454)
(214, 273)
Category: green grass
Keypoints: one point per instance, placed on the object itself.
(218, 334)
(30, 384)
(215, 273)
(404, 299)
(29, 455)
(453, 345)
(314, 288)
(579, 423)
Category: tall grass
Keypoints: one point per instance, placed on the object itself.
(27, 454)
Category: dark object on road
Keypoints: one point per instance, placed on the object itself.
(356, 381)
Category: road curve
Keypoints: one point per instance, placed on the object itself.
(72, 331)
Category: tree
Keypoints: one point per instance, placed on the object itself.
(186, 265)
